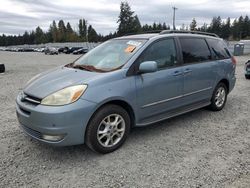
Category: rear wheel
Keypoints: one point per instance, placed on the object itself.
(108, 129)
(219, 97)
(247, 76)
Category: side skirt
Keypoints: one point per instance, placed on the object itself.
(173, 113)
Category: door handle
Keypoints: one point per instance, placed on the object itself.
(187, 71)
(177, 73)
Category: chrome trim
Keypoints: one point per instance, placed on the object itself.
(162, 101)
(31, 100)
(191, 93)
(173, 98)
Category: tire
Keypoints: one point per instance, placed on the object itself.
(218, 101)
(247, 76)
(103, 137)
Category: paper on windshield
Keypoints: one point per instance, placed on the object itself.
(130, 49)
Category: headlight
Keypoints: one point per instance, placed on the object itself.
(65, 96)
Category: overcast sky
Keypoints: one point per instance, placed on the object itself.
(16, 16)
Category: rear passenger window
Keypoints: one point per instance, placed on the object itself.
(163, 52)
(219, 49)
(194, 50)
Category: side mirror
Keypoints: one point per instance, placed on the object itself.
(148, 67)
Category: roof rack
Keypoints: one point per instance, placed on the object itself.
(144, 32)
(191, 32)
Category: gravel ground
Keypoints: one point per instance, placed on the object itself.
(198, 149)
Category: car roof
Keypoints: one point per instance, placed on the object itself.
(170, 33)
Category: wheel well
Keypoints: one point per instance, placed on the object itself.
(225, 81)
(126, 106)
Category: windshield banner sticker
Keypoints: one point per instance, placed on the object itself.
(134, 43)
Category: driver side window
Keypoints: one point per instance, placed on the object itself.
(163, 52)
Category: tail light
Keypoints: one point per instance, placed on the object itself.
(234, 60)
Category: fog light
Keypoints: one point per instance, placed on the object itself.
(53, 138)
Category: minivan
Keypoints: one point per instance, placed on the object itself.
(126, 82)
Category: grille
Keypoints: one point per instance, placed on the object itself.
(32, 132)
(31, 99)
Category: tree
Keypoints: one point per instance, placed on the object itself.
(215, 26)
(61, 31)
(70, 34)
(128, 23)
(83, 29)
(246, 27)
(39, 36)
(92, 34)
(193, 25)
(53, 32)
(226, 29)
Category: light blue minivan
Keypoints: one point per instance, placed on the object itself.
(126, 82)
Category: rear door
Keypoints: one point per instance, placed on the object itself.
(197, 69)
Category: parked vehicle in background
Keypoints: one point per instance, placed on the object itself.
(63, 49)
(123, 83)
(247, 67)
(28, 50)
(80, 51)
(50, 51)
(39, 49)
(71, 50)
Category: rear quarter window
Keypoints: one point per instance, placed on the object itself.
(219, 49)
(194, 50)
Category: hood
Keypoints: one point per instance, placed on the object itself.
(57, 79)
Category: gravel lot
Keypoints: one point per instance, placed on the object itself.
(198, 149)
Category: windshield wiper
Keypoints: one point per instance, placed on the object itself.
(88, 68)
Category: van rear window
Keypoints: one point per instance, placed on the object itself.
(218, 49)
(194, 50)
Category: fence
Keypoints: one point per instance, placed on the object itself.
(86, 45)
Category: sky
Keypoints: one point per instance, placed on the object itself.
(18, 16)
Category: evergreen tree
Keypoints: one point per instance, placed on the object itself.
(83, 29)
(215, 26)
(92, 34)
(246, 27)
(193, 25)
(39, 36)
(128, 23)
(226, 29)
(53, 32)
(61, 31)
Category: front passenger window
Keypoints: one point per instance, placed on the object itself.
(163, 52)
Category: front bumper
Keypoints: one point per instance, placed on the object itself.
(69, 120)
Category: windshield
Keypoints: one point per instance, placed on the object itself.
(109, 56)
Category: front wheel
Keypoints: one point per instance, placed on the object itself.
(247, 76)
(219, 97)
(108, 129)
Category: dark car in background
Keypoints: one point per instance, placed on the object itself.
(80, 51)
(62, 49)
(247, 73)
(71, 50)
(50, 51)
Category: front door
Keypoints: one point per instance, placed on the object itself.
(161, 91)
